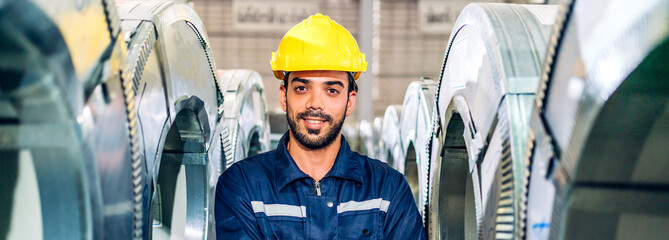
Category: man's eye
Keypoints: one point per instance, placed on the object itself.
(333, 91)
(300, 88)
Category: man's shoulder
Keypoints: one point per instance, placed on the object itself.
(252, 167)
(261, 159)
(379, 168)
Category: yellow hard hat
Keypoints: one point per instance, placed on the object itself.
(318, 43)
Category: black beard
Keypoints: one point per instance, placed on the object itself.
(321, 142)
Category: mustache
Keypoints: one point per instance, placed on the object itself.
(314, 114)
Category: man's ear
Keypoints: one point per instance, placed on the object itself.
(282, 96)
(351, 103)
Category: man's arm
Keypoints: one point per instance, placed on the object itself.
(403, 220)
(233, 211)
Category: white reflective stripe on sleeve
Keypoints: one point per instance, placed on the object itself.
(279, 209)
(384, 205)
(377, 203)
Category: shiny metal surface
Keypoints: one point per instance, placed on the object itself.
(350, 132)
(390, 136)
(377, 127)
(103, 138)
(415, 126)
(454, 205)
(60, 99)
(246, 123)
(486, 90)
(601, 125)
(172, 68)
(368, 143)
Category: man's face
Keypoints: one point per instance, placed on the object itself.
(316, 104)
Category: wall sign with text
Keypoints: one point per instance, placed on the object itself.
(439, 16)
(270, 15)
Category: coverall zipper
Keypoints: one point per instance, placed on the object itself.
(317, 188)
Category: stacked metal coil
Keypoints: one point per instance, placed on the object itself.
(246, 122)
(65, 140)
(390, 137)
(490, 74)
(172, 70)
(599, 139)
(112, 126)
(415, 126)
(370, 137)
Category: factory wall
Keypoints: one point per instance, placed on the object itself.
(404, 53)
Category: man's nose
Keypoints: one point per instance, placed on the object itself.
(315, 100)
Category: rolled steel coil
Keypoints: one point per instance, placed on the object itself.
(600, 125)
(246, 123)
(489, 76)
(63, 122)
(390, 136)
(368, 144)
(415, 126)
(171, 66)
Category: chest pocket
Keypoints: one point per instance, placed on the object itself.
(361, 224)
(278, 227)
(280, 221)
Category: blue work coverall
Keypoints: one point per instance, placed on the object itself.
(267, 196)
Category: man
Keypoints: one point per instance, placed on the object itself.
(313, 186)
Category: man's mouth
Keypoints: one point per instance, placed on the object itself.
(314, 120)
(314, 123)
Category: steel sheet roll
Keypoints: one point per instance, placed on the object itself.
(490, 74)
(62, 121)
(377, 127)
(370, 137)
(392, 150)
(246, 123)
(176, 166)
(350, 132)
(600, 126)
(368, 143)
(415, 126)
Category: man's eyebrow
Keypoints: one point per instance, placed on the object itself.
(302, 80)
(330, 83)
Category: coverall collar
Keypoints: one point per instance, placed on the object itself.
(287, 171)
